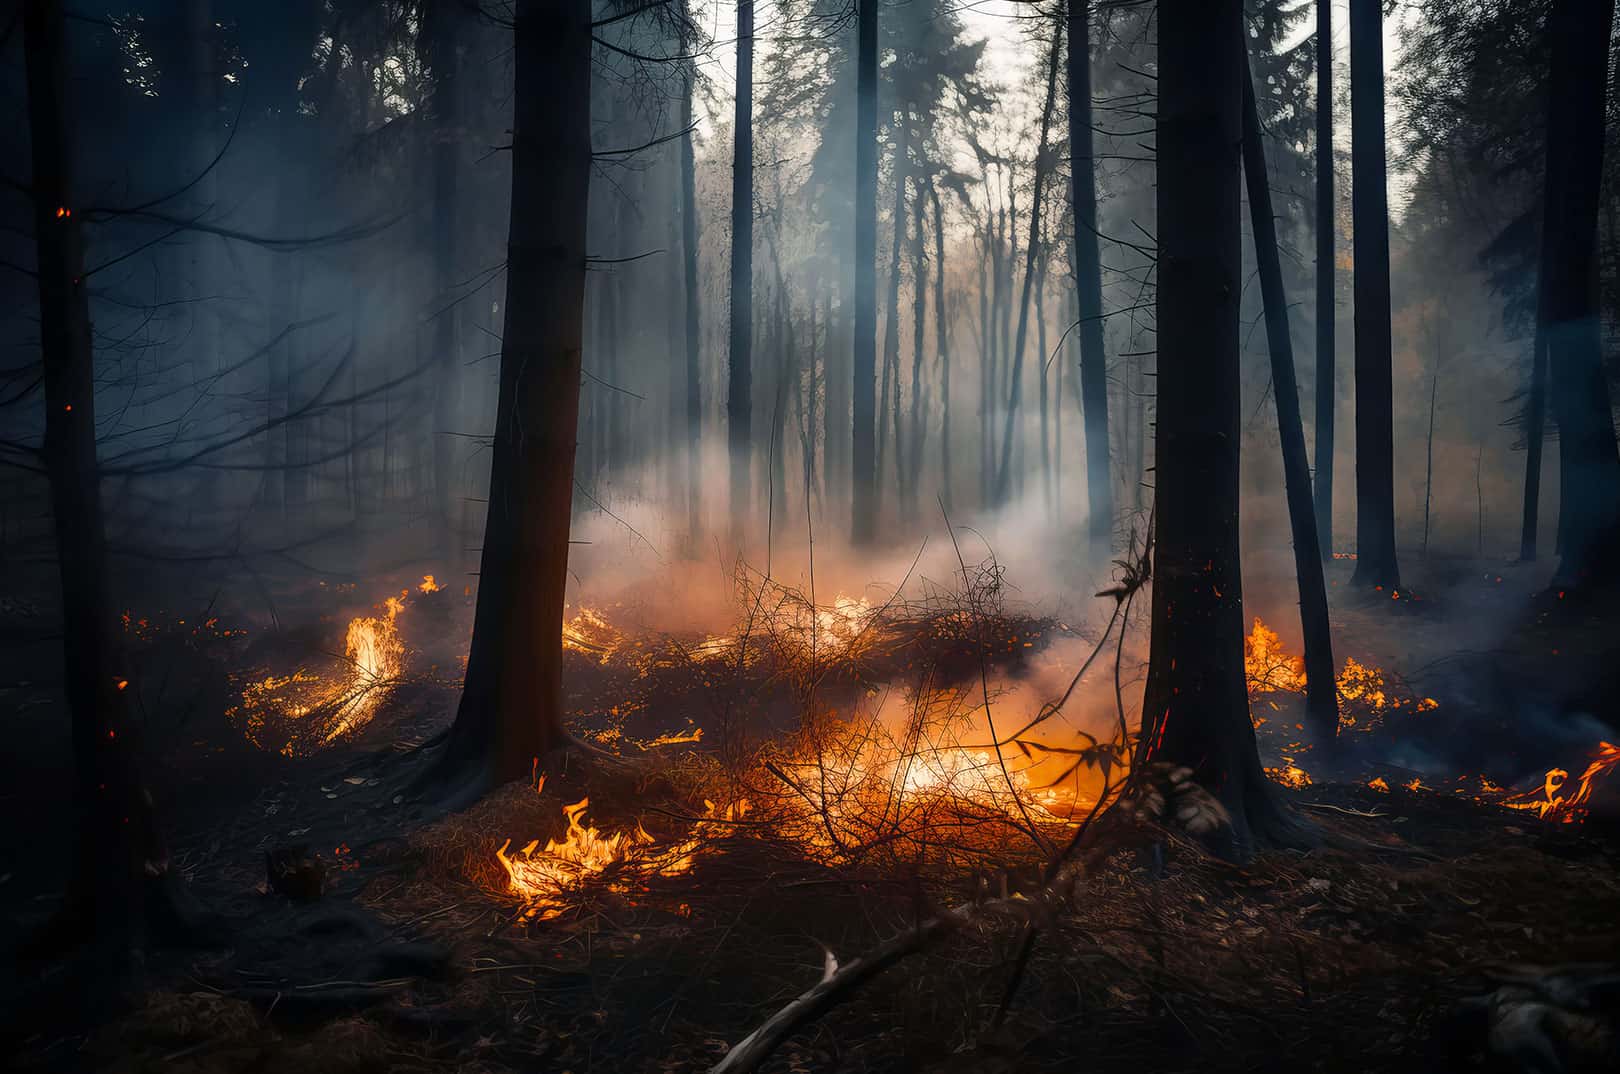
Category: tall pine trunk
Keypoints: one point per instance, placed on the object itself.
(121, 891)
(1375, 417)
(740, 384)
(511, 705)
(1326, 307)
(443, 40)
(919, 336)
(1589, 466)
(863, 522)
(1196, 707)
(1088, 276)
(1321, 692)
(941, 344)
(690, 286)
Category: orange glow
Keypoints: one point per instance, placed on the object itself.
(1379, 784)
(1553, 804)
(324, 708)
(429, 585)
(546, 878)
(1364, 695)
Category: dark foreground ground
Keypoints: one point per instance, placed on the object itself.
(1358, 955)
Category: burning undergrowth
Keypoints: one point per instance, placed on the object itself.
(330, 693)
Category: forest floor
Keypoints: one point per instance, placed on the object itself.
(1357, 955)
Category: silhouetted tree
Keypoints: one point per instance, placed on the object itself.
(1322, 699)
(740, 382)
(1326, 308)
(1375, 421)
(862, 462)
(1196, 707)
(511, 709)
(1087, 265)
(122, 892)
(1589, 466)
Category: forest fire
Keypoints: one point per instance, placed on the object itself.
(1549, 802)
(547, 878)
(1365, 696)
(302, 711)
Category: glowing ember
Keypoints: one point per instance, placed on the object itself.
(1290, 775)
(1379, 784)
(428, 585)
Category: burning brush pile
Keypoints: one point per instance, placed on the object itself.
(331, 695)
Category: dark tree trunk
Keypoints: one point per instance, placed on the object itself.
(689, 259)
(862, 464)
(1326, 307)
(1088, 277)
(1535, 431)
(919, 336)
(511, 707)
(1196, 707)
(442, 40)
(1321, 692)
(121, 892)
(1031, 252)
(1589, 465)
(889, 404)
(942, 345)
(1375, 417)
(740, 385)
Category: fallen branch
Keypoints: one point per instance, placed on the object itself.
(839, 983)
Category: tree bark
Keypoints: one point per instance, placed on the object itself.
(511, 706)
(1589, 465)
(1321, 692)
(1535, 435)
(863, 522)
(1088, 276)
(1196, 708)
(1375, 419)
(1326, 307)
(739, 387)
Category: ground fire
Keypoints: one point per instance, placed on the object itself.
(814, 538)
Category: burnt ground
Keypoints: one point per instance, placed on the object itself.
(1355, 955)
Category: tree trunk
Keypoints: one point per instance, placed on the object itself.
(120, 890)
(1375, 421)
(919, 334)
(740, 388)
(442, 37)
(1535, 435)
(942, 345)
(689, 258)
(1326, 307)
(863, 522)
(511, 707)
(1031, 252)
(1589, 464)
(1088, 277)
(889, 405)
(1196, 707)
(1321, 692)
